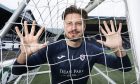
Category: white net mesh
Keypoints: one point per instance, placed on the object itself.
(49, 14)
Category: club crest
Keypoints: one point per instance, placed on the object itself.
(82, 57)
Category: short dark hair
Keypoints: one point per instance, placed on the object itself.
(74, 9)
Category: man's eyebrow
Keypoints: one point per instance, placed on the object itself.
(74, 20)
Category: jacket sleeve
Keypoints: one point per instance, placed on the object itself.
(33, 61)
(121, 63)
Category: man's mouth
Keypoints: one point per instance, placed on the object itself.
(74, 36)
(74, 32)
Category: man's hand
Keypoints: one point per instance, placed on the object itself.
(29, 43)
(113, 38)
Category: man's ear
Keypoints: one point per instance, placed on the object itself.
(84, 22)
(64, 33)
(84, 27)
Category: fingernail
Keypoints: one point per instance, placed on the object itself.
(15, 26)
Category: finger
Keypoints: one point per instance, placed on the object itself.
(120, 28)
(33, 28)
(112, 26)
(40, 32)
(18, 32)
(101, 42)
(43, 45)
(106, 27)
(25, 28)
(103, 31)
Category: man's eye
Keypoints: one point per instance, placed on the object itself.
(79, 23)
(69, 23)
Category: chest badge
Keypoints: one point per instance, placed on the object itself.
(60, 57)
(82, 57)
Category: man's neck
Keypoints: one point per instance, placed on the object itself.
(74, 43)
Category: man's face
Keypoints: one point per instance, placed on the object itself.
(73, 26)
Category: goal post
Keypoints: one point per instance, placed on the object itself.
(133, 21)
(13, 18)
(92, 4)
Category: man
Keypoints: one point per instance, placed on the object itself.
(71, 60)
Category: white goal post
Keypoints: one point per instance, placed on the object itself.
(13, 18)
(133, 20)
(93, 4)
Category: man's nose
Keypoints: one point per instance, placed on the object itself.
(73, 26)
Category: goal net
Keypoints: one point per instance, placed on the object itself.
(48, 13)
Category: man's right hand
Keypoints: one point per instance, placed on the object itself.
(29, 43)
